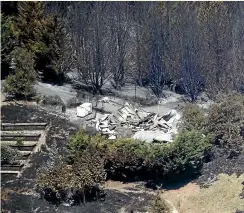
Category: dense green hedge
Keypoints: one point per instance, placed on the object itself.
(193, 118)
(129, 158)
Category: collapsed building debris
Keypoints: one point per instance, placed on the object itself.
(84, 109)
(146, 126)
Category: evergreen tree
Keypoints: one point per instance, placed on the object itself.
(56, 60)
(20, 83)
(7, 43)
(29, 25)
(44, 35)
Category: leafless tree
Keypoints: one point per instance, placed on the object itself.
(91, 42)
(119, 45)
(152, 43)
(191, 75)
(157, 47)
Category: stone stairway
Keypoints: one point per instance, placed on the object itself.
(27, 138)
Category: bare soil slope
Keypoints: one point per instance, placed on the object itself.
(223, 196)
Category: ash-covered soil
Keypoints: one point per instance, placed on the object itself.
(221, 162)
(18, 194)
(114, 202)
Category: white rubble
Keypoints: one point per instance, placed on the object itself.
(173, 119)
(127, 112)
(84, 109)
(105, 100)
(146, 126)
(150, 136)
(112, 137)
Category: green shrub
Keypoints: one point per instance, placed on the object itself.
(193, 117)
(185, 155)
(125, 157)
(81, 141)
(8, 155)
(128, 157)
(121, 154)
(94, 157)
(20, 83)
(226, 121)
(189, 149)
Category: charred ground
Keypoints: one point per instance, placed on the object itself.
(18, 194)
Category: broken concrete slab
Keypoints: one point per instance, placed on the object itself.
(150, 136)
(112, 137)
(84, 109)
(146, 126)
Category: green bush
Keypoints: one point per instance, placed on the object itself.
(183, 156)
(122, 155)
(20, 83)
(226, 121)
(128, 157)
(125, 157)
(189, 150)
(8, 155)
(193, 117)
(92, 158)
(81, 141)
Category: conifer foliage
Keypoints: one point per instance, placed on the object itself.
(20, 83)
(42, 37)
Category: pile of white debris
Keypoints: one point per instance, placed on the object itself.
(146, 126)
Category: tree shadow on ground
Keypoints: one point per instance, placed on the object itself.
(169, 183)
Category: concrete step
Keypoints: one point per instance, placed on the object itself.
(23, 126)
(9, 173)
(25, 152)
(23, 148)
(24, 143)
(26, 146)
(11, 167)
(24, 136)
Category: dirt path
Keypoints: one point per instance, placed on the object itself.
(135, 189)
(174, 210)
(223, 196)
(220, 197)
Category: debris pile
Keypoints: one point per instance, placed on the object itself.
(84, 109)
(147, 126)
